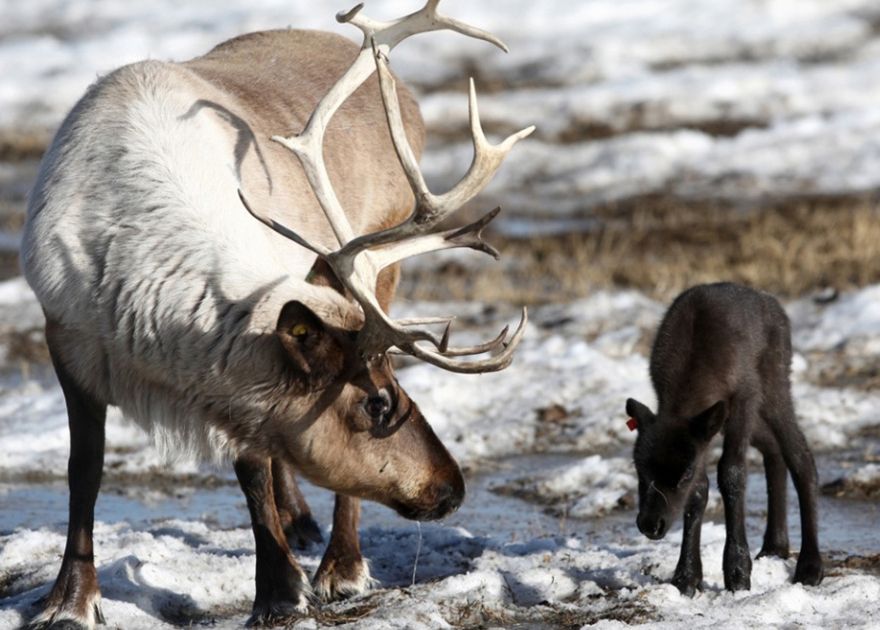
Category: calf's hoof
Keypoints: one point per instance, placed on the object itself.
(737, 580)
(339, 578)
(809, 570)
(773, 551)
(687, 585)
(737, 567)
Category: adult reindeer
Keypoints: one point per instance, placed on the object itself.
(268, 346)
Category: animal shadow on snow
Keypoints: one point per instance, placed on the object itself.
(443, 552)
(121, 580)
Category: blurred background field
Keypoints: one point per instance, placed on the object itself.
(677, 141)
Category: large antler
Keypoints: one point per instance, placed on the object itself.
(359, 259)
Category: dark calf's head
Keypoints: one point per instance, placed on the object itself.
(669, 456)
(351, 428)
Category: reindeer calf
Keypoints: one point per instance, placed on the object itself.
(721, 362)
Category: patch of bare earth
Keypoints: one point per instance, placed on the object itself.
(840, 368)
(856, 489)
(840, 563)
(476, 614)
(661, 247)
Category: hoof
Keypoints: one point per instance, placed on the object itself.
(58, 617)
(337, 579)
(773, 551)
(303, 531)
(738, 581)
(809, 571)
(60, 624)
(687, 585)
(278, 613)
(737, 567)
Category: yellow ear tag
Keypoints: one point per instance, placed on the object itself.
(299, 330)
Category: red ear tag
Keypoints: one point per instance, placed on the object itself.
(632, 424)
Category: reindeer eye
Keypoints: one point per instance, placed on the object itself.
(300, 330)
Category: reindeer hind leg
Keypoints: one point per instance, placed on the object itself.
(343, 571)
(776, 474)
(800, 462)
(296, 518)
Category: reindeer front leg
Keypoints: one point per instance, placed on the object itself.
(343, 571)
(732, 478)
(282, 587)
(689, 572)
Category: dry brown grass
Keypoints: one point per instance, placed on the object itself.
(28, 144)
(790, 249)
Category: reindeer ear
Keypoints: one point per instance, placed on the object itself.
(304, 337)
(705, 425)
(643, 416)
(321, 274)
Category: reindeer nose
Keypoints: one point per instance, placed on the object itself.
(378, 405)
(450, 499)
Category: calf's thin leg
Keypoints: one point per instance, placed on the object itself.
(732, 479)
(293, 511)
(689, 572)
(74, 601)
(800, 462)
(343, 571)
(281, 585)
(776, 473)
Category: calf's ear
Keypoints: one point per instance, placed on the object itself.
(643, 416)
(706, 424)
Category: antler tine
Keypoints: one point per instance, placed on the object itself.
(490, 364)
(281, 229)
(469, 236)
(426, 19)
(422, 321)
(481, 348)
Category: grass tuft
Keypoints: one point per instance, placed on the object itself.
(791, 250)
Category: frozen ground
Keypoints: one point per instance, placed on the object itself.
(694, 100)
(544, 539)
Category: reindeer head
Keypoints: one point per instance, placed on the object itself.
(670, 458)
(352, 428)
(363, 435)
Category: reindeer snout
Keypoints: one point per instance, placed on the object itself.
(449, 499)
(440, 499)
(446, 496)
(653, 528)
